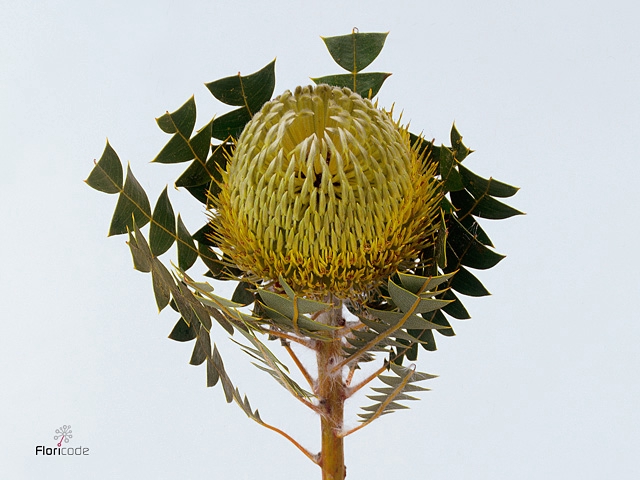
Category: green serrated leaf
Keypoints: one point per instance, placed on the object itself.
(106, 175)
(394, 318)
(484, 207)
(376, 327)
(202, 348)
(278, 311)
(181, 297)
(132, 204)
(489, 207)
(205, 235)
(450, 177)
(463, 202)
(226, 381)
(195, 175)
(162, 282)
(456, 309)
(467, 284)
(163, 227)
(439, 319)
(285, 306)
(279, 303)
(308, 306)
(182, 332)
(459, 148)
(230, 124)
(356, 51)
(305, 305)
(468, 249)
(389, 380)
(364, 335)
(408, 301)
(277, 317)
(367, 85)
(201, 313)
(270, 364)
(243, 294)
(251, 91)
(181, 121)
(218, 302)
(446, 206)
(174, 306)
(287, 288)
(139, 251)
(396, 391)
(200, 193)
(388, 407)
(177, 150)
(414, 376)
(212, 373)
(473, 227)
(203, 287)
(408, 388)
(401, 337)
(222, 320)
(201, 143)
(400, 397)
(479, 186)
(166, 124)
(412, 355)
(187, 252)
(417, 283)
(210, 259)
(425, 338)
(198, 174)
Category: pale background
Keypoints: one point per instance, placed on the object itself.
(543, 382)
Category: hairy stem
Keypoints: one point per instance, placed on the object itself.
(331, 394)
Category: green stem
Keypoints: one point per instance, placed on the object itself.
(331, 393)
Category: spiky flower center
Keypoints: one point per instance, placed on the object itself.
(324, 189)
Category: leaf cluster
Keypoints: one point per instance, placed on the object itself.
(395, 319)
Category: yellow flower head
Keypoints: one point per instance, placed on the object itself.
(325, 189)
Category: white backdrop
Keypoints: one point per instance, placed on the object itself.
(541, 383)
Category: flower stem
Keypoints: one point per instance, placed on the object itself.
(331, 394)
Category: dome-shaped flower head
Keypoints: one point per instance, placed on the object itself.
(325, 190)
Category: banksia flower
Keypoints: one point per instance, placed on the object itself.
(327, 191)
